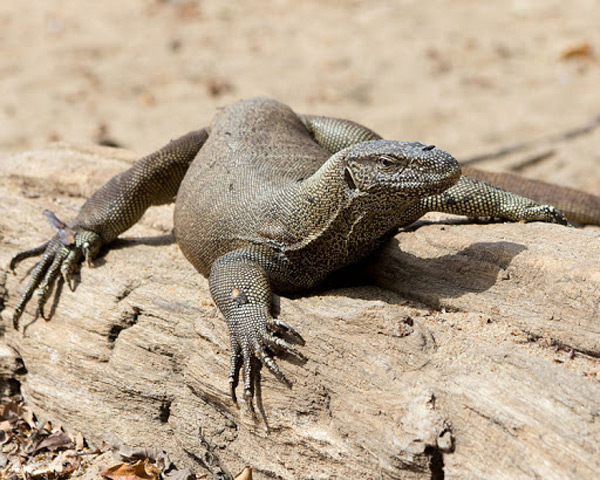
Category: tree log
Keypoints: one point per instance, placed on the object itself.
(469, 351)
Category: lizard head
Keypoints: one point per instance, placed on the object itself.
(405, 169)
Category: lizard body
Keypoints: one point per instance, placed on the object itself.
(268, 201)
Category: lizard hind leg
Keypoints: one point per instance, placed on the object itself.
(240, 287)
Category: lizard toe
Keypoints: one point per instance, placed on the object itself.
(282, 327)
(37, 277)
(271, 364)
(557, 216)
(234, 369)
(67, 268)
(251, 377)
(280, 345)
(49, 280)
(33, 252)
(89, 243)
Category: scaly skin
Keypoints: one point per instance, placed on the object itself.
(272, 202)
(578, 207)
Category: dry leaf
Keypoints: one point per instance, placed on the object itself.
(9, 410)
(138, 471)
(54, 441)
(26, 415)
(5, 426)
(184, 474)
(218, 86)
(79, 441)
(579, 50)
(245, 474)
(66, 462)
(131, 454)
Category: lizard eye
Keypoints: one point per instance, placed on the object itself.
(386, 161)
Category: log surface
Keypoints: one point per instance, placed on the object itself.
(470, 351)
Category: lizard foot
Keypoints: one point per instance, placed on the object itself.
(261, 345)
(241, 289)
(60, 255)
(544, 213)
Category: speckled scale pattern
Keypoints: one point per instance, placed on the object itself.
(153, 180)
(577, 206)
(271, 201)
(335, 134)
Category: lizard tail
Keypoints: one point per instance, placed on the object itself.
(577, 206)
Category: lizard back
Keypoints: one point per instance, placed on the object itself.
(256, 148)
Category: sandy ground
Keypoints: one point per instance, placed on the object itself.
(469, 76)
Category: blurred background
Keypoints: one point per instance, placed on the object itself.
(466, 75)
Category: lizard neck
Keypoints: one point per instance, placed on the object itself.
(330, 187)
(303, 211)
(325, 222)
(339, 212)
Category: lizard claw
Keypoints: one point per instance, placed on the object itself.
(86, 253)
(249, 375)
(48, 282)
(19, 257)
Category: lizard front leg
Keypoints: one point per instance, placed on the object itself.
(240, 287)
(116, 206)
(475, 198)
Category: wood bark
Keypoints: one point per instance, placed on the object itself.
(467, 351)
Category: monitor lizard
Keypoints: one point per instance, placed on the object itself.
(270, 202)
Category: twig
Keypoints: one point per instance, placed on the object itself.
(23, 474)
(533, 160)
(211, 459)
(517, 147)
